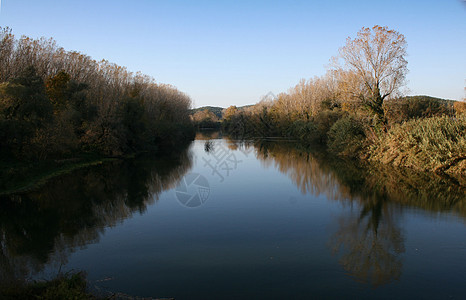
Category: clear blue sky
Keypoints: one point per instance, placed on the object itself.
(234, 52)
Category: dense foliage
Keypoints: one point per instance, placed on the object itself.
(436, 143)
(55, 102)
(357, 112)
(420, 132)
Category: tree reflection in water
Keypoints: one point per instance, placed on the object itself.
(45, 226)
(369, 241)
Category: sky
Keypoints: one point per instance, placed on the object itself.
(225, 53)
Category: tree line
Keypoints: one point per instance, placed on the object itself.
(55, 103)
(356, 109)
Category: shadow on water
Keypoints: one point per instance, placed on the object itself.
(369, 240)
(43, 227)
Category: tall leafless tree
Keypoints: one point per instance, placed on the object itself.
(376, 57)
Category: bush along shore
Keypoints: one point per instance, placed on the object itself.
(434, 144)
(64, 286)
(72, 285)
(58, 105)
(431, 144)
(356, 111)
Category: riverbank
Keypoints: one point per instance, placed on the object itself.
(58, 108)
(64, 286)
(70, 285)
(436, 144)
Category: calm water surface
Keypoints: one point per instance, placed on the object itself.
(233, 220)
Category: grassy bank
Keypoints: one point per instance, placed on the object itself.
(435, 144)
(64, 286)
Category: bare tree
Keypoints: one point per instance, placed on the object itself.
(377, 58)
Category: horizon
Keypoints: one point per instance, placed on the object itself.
(222, 53)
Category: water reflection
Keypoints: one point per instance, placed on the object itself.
(44, 227)
(316, 172)
(370, 244)
(369, 241)
(208, 146)
(233, 233)
(208, 135)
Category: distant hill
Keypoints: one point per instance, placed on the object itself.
(215, 109)
(413, 107)
(423, 103)
(424, 98)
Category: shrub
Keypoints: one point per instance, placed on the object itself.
(64, 286)
(304, 130)
(434, 143)
(346, 137)
(324, 120)
(460, 107)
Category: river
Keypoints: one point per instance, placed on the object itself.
(226, 219)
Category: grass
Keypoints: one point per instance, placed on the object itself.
(65, 286)
(429, 144)
(71, 286)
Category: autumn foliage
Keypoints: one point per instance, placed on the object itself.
(357, 110)
(55, 102)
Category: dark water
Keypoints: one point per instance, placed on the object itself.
(229, 220)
